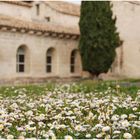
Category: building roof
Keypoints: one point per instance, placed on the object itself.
(134, 2)
(20, 3)
(60, 6)
(7, 21)
(64, 7)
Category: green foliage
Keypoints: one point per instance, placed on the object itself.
(99, 37)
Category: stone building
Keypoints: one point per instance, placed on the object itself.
(127, 62)
(39, 41)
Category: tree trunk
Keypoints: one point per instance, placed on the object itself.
(95, 76)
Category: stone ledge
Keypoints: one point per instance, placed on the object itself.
(39, 80)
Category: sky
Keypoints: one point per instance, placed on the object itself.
(74, 1)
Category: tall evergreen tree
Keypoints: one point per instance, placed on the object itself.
(99, 37)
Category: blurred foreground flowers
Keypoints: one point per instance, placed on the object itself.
(64, 114)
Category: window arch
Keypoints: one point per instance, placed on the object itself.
(49, 60)
(22, 59)
(72, 61)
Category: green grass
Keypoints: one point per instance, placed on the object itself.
(30, 89)
(85, 86)
(103, 85)
(92, 88)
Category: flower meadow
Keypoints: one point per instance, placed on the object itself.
(69, 111)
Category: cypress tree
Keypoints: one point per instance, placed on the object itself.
(98, 36)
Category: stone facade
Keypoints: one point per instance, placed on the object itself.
(127, 62)
(40, 30)
(25, 29)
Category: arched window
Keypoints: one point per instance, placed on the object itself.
(49, 60)
(20, 59)
(72, 62)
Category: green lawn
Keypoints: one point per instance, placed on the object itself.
(86, 109)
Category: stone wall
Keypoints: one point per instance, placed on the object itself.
(37, 47)
(60, 18)
(14, 10)
(128, 21)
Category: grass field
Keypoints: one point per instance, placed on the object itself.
(84, 110)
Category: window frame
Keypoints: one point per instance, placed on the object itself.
(72, 62)
(18, 62)
(49, 64)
